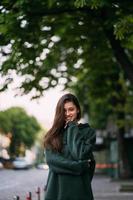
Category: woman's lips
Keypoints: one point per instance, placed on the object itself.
(68, 119)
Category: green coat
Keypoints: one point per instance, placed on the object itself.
(70, 173)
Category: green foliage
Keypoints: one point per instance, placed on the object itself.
(38, 38)
(105, 97)
(94, 4)
(24, 128)
(124, 27)
(86, 42)
(80, 3)
(5, 123)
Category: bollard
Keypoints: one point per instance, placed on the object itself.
(38, 193)
(29, 196)
(16, 198)
(44, 190)
(45, 187)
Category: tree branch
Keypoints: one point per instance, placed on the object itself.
(58, 11)
(118, 50)
(120, 55)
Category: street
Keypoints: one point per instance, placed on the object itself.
(20, 182)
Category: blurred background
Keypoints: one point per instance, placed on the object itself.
(49, 48)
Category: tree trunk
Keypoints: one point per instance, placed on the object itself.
(120, 55)
(118, 102)
(123, 163)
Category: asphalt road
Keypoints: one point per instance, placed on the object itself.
(14, 182)
(21, 182)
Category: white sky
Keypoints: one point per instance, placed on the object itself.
(43, 109)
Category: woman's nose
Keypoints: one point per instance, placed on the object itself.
(67, 113)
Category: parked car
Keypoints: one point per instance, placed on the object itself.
(42, 166)
(21, 163)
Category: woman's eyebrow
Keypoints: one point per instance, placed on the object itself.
(68, 108)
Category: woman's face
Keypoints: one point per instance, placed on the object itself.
(71, 111)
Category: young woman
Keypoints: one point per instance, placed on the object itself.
(68, 147)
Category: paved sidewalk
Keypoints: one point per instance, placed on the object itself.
(106, 189)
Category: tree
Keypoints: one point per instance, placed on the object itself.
(61, 37)
(86, 42)
(23, 128)
(104, 96)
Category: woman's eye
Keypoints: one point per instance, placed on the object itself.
(71, 109)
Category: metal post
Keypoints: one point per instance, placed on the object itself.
(38, 193)
(29, 196)
(44, 190)
(45, 187)
(16, 198)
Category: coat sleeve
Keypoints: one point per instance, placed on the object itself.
(80, 142)
(59, 164)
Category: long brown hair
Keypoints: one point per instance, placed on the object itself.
(53, 138)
